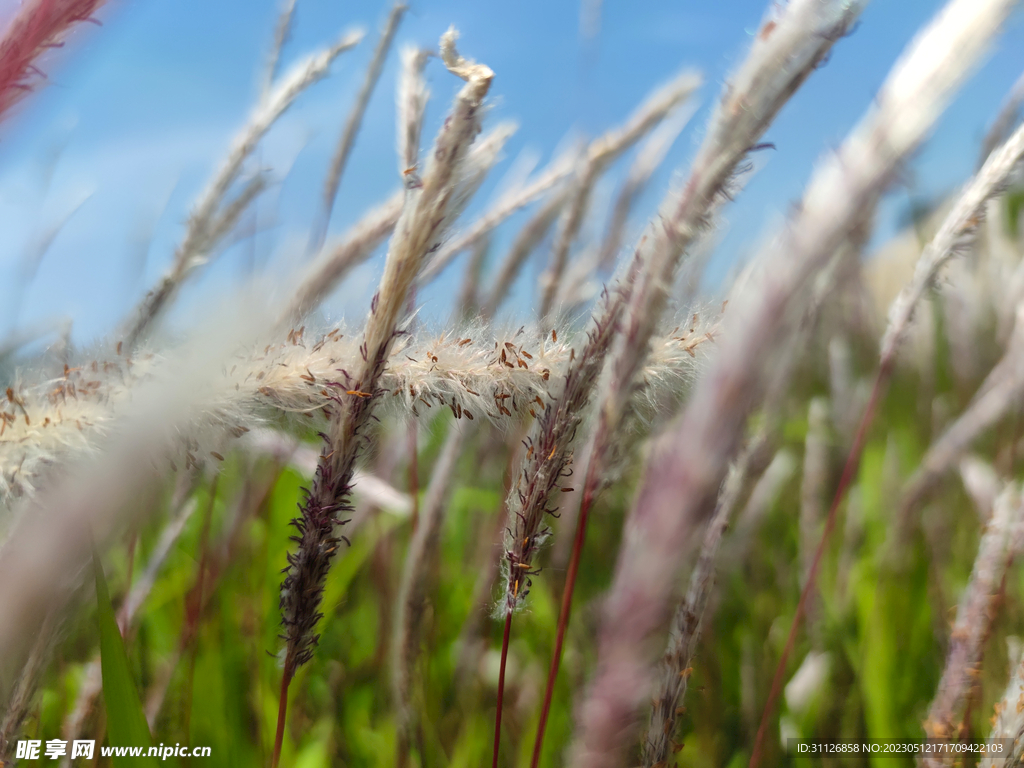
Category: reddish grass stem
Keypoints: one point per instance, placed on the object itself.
(282, 713)
(563, 614)
(501, 687)
(852, 462)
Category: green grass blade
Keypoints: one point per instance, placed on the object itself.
(126, 721)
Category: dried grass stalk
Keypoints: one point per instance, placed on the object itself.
(412, 104)
(598, 157)
(329, 269)
(1008, 721)
(526, 241)
(686, 625)
(416, 576)
(968, 212)
(599, 152)
(1000, 391)
(649, 158)
(282, 31)
(999, 544)
(347, 139)
(206, 223)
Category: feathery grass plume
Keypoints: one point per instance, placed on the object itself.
(798, 41)
(329, 269)
(687, 465)
(752, 462)
(208, 218)
(38, 26)
(44, 424)
(966, 214)
(550, 281)
(546, 462)
(813, 482)
(981, 483)
(333, 265)
(282, 32)
(233, 210)
(62, 416)
(483, 156)
(649, 158)
(411, 105)
(468, 303)
(686, 625)
(556, 173)
(476, 371)
(347, 139)
(290, 451)
(957, 24)
(999, 544)
(594, 162)
(461, 369)
(600, 152)
(577, 284)
(1000, 391)
(962, 220)
(1008, 115)
(1008, 720)
(428, 208)
(548, 457)
(526, 241)
(580, 382)
(18, 704)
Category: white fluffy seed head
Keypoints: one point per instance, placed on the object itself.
(477, 372)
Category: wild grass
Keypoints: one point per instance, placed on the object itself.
(596, 536)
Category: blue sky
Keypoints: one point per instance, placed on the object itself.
(138, 112)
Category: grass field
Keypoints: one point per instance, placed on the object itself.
(644, 524)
